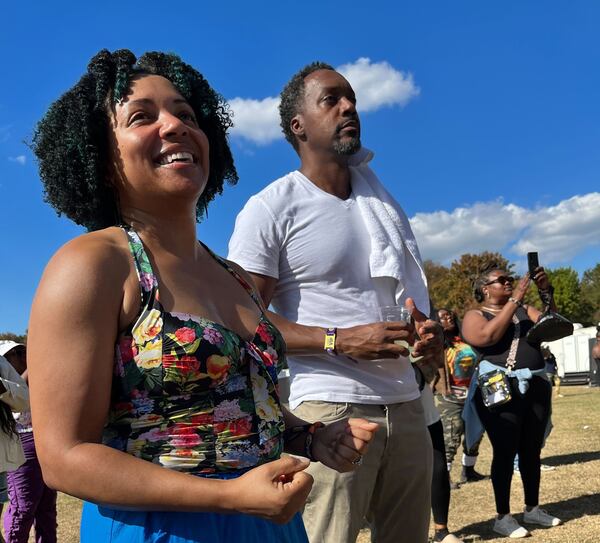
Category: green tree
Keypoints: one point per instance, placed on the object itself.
(567, 292)
(590, 295)
(438, 282)
(453, 287)
(14, 337)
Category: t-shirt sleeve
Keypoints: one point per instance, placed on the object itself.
(255, 243)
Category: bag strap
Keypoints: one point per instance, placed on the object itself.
(511, 359)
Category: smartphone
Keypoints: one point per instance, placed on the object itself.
(532, 263)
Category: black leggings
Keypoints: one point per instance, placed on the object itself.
(517, 426)
(440, 482)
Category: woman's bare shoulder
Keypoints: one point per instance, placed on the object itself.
(93, 250)
(97, 260)
(473, 314)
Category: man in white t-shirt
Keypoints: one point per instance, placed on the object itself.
(305, 242)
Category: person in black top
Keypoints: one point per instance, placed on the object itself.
(497, 331)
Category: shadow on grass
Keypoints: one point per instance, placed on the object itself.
(573, 458)
(567, 510)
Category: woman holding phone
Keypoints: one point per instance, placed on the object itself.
(497, 330)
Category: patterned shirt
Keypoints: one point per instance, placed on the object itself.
(189, 393)
(460, 361)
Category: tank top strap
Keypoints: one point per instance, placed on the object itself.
(146, 277)
(249, 289)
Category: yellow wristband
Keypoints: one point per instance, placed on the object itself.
(330, 336)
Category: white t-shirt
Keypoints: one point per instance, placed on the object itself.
(317, 247)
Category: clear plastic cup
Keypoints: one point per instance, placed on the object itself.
(395, 313)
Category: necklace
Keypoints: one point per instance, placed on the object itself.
(491, 309)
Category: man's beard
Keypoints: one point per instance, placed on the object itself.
(348, 146)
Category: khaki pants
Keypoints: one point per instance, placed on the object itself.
(392, 487)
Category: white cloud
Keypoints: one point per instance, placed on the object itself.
(561, 231)
(256, 120)
(376, 84)
(21, 159)
(558, 232)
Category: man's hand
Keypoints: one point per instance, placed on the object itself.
(341, 445)
(431, 338)
(375, 341)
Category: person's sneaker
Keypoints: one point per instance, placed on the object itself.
(451, 538)
(444, 536)
(539, 516)
(469, 475)
(509, 527)
(546, 467)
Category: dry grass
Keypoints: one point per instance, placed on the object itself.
(572, 491)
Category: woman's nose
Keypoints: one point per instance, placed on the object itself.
(172, 125)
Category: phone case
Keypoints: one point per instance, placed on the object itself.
(532, 262)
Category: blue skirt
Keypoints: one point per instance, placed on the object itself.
(105, 525)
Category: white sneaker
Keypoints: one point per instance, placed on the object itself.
(451, 538)
(539, 516)
(509, 527)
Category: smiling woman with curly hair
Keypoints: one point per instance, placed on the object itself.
(153, 365)
(73, 141)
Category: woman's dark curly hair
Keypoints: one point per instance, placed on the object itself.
(71, 141)
(292, 96)
(482, 279)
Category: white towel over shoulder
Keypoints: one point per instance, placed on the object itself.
(394, 251)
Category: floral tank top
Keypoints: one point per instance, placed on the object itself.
(190, 394)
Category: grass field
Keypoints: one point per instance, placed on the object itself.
(571, 491)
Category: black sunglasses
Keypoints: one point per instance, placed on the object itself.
(503, 279)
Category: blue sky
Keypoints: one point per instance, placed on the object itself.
(488, 134)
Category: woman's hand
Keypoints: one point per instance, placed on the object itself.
(521, 289)
(275, 491)
(541, 279)
(341, 445)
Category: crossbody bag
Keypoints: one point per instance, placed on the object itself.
(494, 385)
